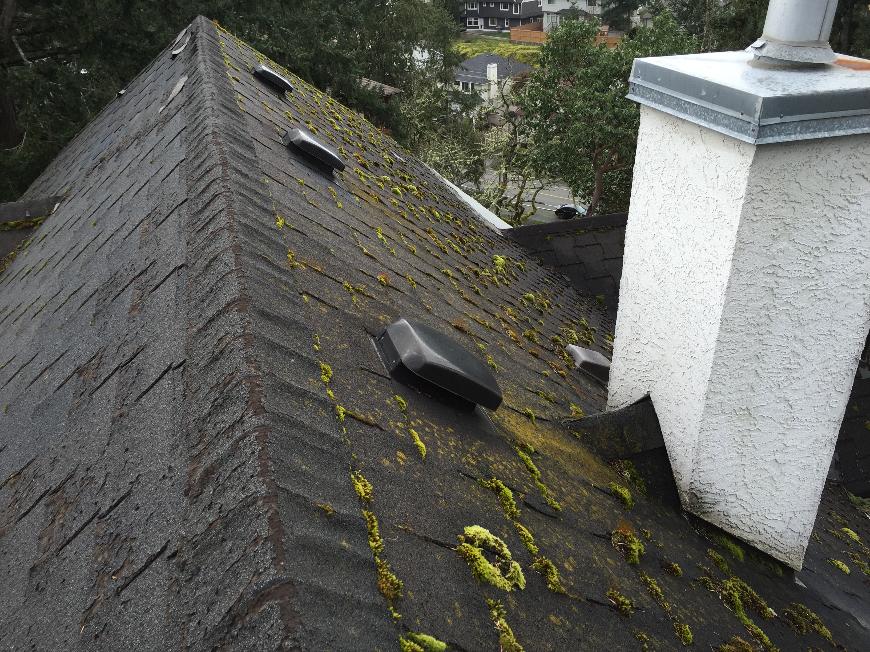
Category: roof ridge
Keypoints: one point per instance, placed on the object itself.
(217, 286)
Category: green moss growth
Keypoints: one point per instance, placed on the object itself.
(505, 574)
(851, 534)
(627, 470)
(736, 644)
(836, 563)
(628, 544)
(621, 603)
(731, 546)
(737, 596)
(325, 373)
(802, 620)
(576, 411)
(375, 542)
(505, 497)
(550, 573)
(417, 642)
(536, 477)
(340, 413)
(673, 568)
(362, 487)
(655, 591)
(684, 633)
(719, 560)
(623, 493)
(507, 642)
(402, 403)
(527, 538)
(418, 442)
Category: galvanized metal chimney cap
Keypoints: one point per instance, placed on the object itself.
(754, 103)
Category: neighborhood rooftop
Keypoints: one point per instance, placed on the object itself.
(473, 70)
(202, 447)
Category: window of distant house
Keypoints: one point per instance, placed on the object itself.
(504, 6)
(493, 22)
(466, 86)
(471, 6)
(517, 8)
(473, 22)
(507, 23)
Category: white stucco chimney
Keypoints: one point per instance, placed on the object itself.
(745, 294)
(492, 81)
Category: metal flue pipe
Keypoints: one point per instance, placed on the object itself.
(796, 32)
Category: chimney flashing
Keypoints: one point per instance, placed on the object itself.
(729, 93)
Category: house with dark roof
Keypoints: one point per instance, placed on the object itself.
(499, 16)
(486, 73)
(202, 446)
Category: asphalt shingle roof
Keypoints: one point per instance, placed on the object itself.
(189, 385)
(474, 69)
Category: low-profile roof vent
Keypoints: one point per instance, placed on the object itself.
(432, 357)
(592, 362)
(314, 148)
(274, 79)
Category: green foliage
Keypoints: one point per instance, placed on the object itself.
(623, 493)
(77, 56)
(575, 107)
(628, 544)
(467, 49)
(622, 604)
(803, 620)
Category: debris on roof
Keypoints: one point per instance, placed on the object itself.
(204, 449)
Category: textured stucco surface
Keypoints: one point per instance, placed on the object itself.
(743, 310)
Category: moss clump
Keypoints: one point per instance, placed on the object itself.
(628, 544)
(340, 413)
(530, 413)
(737, 596)
(550, 573)
(655, 591)
(527, 538)
(506, 640)
(673, 568)
(505, 574)
(418, 442)
(505, 497)
(719, 560)
(621, 603)
(389, 585)
(851, 534)
(325, 373)
(328, 509)
(401, 402)
(731, 546)
(802, 620)
(362, 487)
(536, 476)
(736, 644)
(684, 633)
(375, 541)
(576, 411)
(623, 493)
(836, 563)
(416, 642)
(627, 470)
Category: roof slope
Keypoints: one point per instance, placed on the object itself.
(189, 383)
(474, 69)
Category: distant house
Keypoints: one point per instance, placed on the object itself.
(500, 16)
(484, 73)
(555, 11)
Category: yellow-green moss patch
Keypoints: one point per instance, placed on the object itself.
(505, 574)
(623, 493)
(417, 642)
(628, 544)
(802, 620)
(506, 640)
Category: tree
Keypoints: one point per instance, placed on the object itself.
(61, 61)
(617, 13)
(582, 126)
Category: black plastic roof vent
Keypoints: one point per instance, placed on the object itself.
(433, 357)
(592, 362)
(274, 79)
(314, 148)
